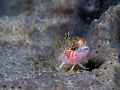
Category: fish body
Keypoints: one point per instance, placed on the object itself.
(76, 52)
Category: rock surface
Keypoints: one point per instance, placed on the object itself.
(28, 56)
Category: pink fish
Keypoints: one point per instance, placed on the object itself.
(76, 52)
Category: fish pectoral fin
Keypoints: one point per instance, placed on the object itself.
(60, 67)
(83, 67)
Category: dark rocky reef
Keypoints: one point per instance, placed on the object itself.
(28, 56)
(13, 7)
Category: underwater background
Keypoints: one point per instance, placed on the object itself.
(33, 34)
